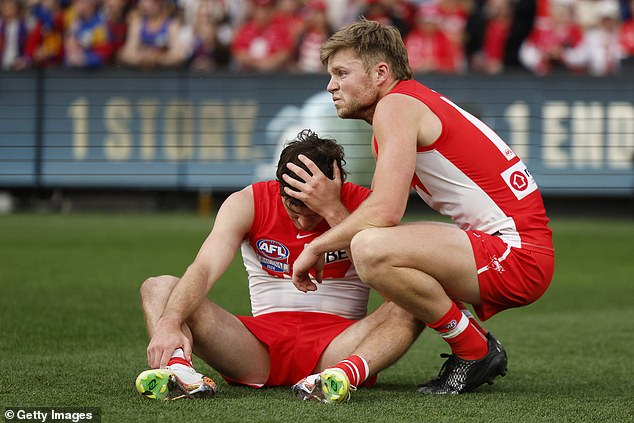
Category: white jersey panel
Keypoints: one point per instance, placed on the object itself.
(346, 297)
(455, 195)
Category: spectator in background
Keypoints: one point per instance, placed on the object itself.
(290, 12)
(316, 31)
(226, 15)
(44, 44)
(264, 42)
(375, 10)
(429, 48)
(600, 51)
(626, 35)
(397, 13)
(551, 39)
(489, 56)
(344, 12)
(454, 14)
(153, 37)
(88, 43)
(116, 13)
(524, 12)
(587, 13)
(208, 27)
(209, 52)
(488, 28)
(405, 11)
(13, 34)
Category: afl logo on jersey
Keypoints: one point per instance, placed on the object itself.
(272, 249)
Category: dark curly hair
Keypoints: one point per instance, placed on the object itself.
(322, 151)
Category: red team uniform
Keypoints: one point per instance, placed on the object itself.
(296, 327)
(470, 175)
(261, 42)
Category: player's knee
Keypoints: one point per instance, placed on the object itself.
(157, 285)
(366, 251)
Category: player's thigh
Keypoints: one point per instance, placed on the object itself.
(227, 345)
(440, 250)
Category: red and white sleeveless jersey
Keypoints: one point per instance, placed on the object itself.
(472, 176)
(273, 244)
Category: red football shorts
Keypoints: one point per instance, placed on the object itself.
(295, 340)
(508, 277)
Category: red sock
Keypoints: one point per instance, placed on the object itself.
(179, 358)
(464, 339)
(356, 368)
(471, 317)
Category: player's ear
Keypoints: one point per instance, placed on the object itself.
(382, 72)
(336, 171)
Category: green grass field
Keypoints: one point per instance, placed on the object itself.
(73, 334)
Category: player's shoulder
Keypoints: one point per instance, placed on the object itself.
(243, 196)
(265, 196)
(269, 187)
(351, 191)
(407, 95)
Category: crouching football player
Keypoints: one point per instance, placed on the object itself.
(324, 340)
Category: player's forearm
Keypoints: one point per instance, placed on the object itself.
(371, 214)
(189, 292)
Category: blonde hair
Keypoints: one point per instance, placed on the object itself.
(373, 43)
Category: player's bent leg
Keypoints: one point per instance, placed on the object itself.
(367, 338)
(216, 331)
(223, 342)
(178, 379)
(420, 267)
(415, 265)
(154, 294)
(361, 344)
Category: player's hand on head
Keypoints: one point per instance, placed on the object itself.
(166, 339)
(320, 193)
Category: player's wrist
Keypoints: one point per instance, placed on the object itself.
(170, 320)
(311, 248)
(335, 214)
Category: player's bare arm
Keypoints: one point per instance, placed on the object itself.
(230, 227)
(416, 115)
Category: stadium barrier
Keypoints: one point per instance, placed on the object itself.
(186, 131)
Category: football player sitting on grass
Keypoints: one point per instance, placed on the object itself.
(323, 344)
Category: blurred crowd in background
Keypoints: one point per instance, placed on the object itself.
(594, 37)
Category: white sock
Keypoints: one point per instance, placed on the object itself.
(178, 359)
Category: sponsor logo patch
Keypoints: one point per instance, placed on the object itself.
(495, 265)
(519, 180)
(335, 256)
